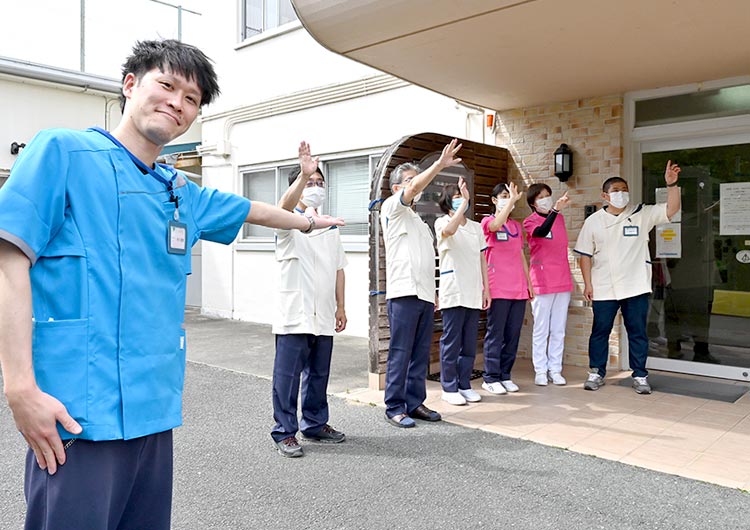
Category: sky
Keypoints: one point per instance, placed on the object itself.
(48, 31)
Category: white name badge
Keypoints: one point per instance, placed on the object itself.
(501, 236)
(176, 237)
(548, 236)
(630, 231)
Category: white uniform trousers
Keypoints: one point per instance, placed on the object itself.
(550, 316)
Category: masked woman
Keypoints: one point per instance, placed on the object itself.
(550, 277)
(463, 292)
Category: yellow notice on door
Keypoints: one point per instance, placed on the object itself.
(731, 303)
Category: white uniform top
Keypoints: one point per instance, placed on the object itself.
(307, 282)
(460, 266)
(618, 247)
(409, 252)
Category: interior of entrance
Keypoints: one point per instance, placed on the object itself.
(700, 305)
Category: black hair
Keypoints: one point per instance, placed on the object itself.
(294, 173)
(533, 192)
(499, 188)
(446, 197)
(612, 180)
(176, 56)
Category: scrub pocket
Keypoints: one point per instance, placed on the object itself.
(61, 362)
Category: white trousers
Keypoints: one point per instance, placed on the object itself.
(550, 316)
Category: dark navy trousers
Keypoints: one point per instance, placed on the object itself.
(634, 316)
(307, 357)
(504, 321)
(458, 347)
(411, 321)
(112, 485)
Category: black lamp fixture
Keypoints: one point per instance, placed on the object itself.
(563, 162)
(15, 147)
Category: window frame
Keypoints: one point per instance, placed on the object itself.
(352, 243)
(265, 32)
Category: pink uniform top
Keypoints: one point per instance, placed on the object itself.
(548, 264)
(504, 266)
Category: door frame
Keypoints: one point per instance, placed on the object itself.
(685, 135)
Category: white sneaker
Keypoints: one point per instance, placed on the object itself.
(557, 378)
(510, 386)
(494, 388)
(454, 398)
(540, 379)
(470, 395)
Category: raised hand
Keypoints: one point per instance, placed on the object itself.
(307, 163)
(464, 189)
(324, 221)
(448, 156)
(515, 195)
(672, 173)
(562, 202)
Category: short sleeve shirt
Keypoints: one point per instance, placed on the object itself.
(307, 281)
(108, 298)
(504, 254)
(618, 248)
(460, 265)
(549, 268)
(409, 251)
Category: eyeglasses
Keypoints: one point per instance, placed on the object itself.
(314, 183)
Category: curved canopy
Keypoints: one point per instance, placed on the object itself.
(503, 54)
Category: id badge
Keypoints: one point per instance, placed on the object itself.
(176, 237)
(501, 236)
(549, 235)
(630, 231)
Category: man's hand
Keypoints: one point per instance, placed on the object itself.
(36, 415)
(340, 319)
(672, 173)
(323, 221)
(588, 293)
(486, 299)
(562, 202)
(448, 156)
(308, 165)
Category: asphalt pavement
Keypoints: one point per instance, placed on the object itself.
(435, 476)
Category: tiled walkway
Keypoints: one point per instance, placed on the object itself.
(695, 438)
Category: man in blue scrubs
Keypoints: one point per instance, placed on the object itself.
(94, 251)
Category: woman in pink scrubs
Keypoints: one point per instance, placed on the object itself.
(509, 288)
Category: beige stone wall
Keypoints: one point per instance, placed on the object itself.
(592, 128)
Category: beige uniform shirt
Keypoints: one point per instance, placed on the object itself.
(460, 265)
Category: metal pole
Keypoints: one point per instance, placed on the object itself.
(179, 23)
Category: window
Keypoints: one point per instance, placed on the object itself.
(262, 15)
(347, 192)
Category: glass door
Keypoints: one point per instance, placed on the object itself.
(699, 317)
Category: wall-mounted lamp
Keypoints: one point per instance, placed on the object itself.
(563, 162)
(15, 148)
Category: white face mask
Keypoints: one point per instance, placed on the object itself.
(619, 199)
(544, 204)
(501, 204)
(314, 196)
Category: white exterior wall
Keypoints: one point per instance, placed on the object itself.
(241, 281)
(26, 108)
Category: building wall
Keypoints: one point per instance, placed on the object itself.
(274, 96)
(592, 128)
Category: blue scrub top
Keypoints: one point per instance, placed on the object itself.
(108, 299)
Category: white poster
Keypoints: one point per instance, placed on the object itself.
(669, 240)
(734, 198)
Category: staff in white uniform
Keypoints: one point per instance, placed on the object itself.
(311, 308)
(410, 290)
(616, 268)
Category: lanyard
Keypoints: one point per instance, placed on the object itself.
(144, 168)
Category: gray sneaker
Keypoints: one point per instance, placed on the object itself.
(594, 381)
(641, 386)
(290, 448)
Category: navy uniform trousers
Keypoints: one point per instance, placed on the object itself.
(306, 357)
(411, 322)
(504, 322)
(111, 485)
